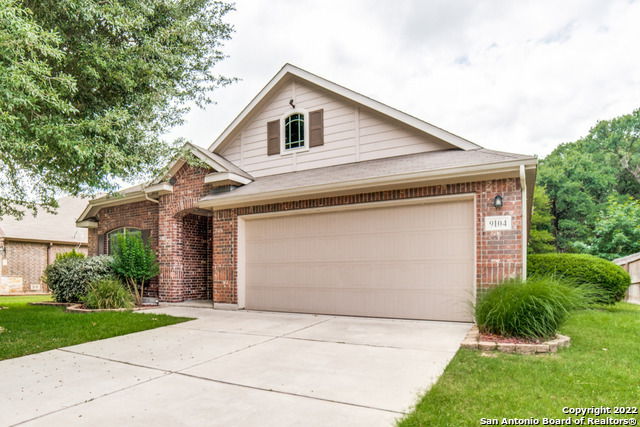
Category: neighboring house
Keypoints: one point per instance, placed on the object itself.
(29, 245)
(631, 264)
(317, 199)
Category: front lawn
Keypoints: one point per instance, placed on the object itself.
(601, 368)
(33, 329)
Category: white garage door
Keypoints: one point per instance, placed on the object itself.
(413, 261)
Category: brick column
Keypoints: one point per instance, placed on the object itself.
(225, 239)
(170, 256)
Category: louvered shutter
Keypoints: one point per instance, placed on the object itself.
(100, 244)
(273, 137)
(145, 237)
(316, 128)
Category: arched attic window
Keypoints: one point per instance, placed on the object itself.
(294, 131)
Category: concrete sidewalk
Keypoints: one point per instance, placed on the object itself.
(234, 368)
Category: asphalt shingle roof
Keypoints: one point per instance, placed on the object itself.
(60, 227)
(429, 161)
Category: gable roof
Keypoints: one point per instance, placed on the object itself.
(47, 227)
(289, 71)
(215, 161)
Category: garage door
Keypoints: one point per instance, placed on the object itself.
(411, 261)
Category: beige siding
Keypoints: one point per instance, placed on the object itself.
(351, 134)
(232, 152)
(404, 261)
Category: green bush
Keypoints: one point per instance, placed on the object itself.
(69, 278)
(108, 293)
(135, 262)
(611, 279)
(72, 254)
(534, 308)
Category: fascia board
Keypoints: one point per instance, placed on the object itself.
(226, 177)
(58, 242)
(161, 188)
(95, 205)
(87, 223)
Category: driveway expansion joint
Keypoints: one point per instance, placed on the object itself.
(290, 393)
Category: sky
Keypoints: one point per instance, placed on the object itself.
(518, 76)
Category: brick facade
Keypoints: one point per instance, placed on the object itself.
(180, 235)
(498, 254)
(197, 250)
(142, 215)
(27, 260)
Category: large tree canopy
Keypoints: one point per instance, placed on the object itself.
(620, 137)
(88, 87)
(582, 177)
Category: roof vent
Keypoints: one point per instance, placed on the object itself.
(223, 189)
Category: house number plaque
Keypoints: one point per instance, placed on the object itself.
(497, 223)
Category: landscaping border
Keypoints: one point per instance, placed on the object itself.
(472, 342)
(76, 308)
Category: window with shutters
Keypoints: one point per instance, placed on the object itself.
(112, 237)
(297, 130)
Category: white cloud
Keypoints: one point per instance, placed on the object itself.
(514, 76)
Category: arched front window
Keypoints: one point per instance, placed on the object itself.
(113, 237)
(294, 131)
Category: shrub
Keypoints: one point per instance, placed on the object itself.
(69, 278)
(72, 254)
(534, 308)
(611, 279)
(135, 262)
(108, 293)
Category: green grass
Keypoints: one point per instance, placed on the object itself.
(601, 368)
(33, 329)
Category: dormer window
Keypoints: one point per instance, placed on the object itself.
(294, 131)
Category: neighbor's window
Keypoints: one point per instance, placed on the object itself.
(113, 237)
(294, 131)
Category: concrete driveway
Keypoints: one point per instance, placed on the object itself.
(234, 368)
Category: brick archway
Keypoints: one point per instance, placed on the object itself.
(185, 239)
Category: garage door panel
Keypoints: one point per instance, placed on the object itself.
(365, 302)
(411, 261)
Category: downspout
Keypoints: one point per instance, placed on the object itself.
(146, 196)
(525, 231)
(3, 251)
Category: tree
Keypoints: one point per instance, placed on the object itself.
(577, 182)
(541, 239)
(135, 262)
(621, 138)
(617, 230)
(88, 87)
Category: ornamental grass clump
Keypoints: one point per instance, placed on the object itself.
(108, 293)
(533, 308)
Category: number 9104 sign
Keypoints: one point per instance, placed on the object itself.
(497, 223)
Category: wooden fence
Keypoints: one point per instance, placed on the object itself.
(631, 264)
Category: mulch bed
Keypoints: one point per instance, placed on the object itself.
(80, 308)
